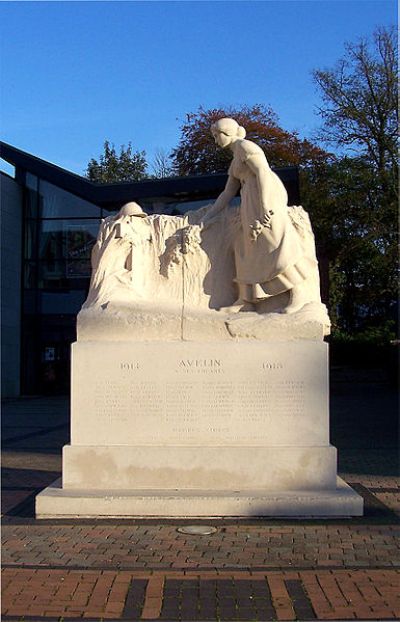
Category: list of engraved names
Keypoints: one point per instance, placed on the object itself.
(196, 395)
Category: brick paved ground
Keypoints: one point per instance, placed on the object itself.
(249, 570)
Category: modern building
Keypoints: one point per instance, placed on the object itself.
(49, 223)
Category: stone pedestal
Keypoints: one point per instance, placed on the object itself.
(199, 429)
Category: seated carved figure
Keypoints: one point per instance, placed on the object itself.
(118, 248)
(270, 256)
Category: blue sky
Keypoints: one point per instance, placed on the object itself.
(76, 73)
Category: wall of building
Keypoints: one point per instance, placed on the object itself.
(11, 255)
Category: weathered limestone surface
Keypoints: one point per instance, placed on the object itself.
(140, 323)
(55, 502)
(172, 467)
(194, 394)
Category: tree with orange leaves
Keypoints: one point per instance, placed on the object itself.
(196, 153)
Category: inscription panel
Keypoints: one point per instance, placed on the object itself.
(195, 394)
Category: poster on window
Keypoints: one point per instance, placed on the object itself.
(79, 240)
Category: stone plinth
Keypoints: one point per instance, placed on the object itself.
(237, 428)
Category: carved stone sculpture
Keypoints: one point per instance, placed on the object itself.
(200, 376)
(193, 273)
(271, 257)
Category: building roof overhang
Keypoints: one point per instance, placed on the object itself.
(111, 196)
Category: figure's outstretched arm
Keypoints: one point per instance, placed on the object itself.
(230, 190)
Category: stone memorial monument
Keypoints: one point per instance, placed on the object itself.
(200, 371)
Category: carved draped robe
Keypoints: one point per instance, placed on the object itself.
(275, 260)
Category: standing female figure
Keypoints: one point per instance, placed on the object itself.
(269, 254)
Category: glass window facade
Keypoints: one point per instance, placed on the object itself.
(57, 203)
(173, 207)
(177, 208)
(59, 232)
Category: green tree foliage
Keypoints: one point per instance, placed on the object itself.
(355, 204)
(197, 153)
(111, 167)
(360, 110)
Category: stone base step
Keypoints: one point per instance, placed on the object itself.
(56, 502)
